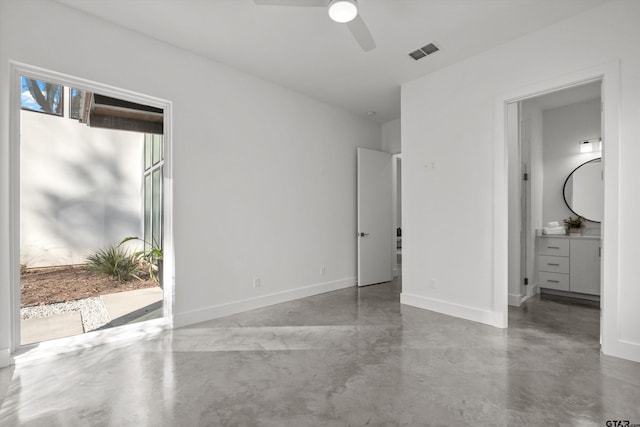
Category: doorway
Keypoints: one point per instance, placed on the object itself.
(547, 135)
(609, 73)
(92, 223)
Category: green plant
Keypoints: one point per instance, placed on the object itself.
(115, 261)
(578, 222)
(152, 256)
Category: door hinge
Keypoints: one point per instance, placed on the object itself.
(525, 177)
(526, 280)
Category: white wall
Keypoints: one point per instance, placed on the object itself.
(264, 178)
(448, 168)
(563, 129)
(81, 189)
(534, 114)
(391, 137)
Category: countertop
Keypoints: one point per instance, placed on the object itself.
(566, 236)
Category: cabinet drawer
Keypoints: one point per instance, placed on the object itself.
(553, 264)
(557, 281)
(553, 246)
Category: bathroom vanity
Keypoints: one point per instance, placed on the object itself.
(569, 264)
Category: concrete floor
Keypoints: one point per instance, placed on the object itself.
(353, 357)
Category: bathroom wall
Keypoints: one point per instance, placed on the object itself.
(563, 129)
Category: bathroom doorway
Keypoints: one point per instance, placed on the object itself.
(553, 139)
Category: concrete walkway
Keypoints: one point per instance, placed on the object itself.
(132, 307)
(123, 308)
(47, 328)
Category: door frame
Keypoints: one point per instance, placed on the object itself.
(518, 214)
(609, 73)
(395, 159)
(20, 353)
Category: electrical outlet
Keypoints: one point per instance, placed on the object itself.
(430, 166)
(432, 283)
(256, 282)
(322, 270)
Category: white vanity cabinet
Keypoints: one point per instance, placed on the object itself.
(584, 266)
(553, 263)
(569, 263)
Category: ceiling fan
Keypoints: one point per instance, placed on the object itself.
(342, 11)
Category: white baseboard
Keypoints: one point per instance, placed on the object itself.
(5, 357)
(456, 310)
(215, 311)
(533, 290)
(515, 300)
(623, 349)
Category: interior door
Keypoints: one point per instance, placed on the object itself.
(374, 217)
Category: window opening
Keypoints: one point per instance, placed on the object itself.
(82, 195)
(41, 96)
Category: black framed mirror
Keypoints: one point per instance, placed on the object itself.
(583, 190)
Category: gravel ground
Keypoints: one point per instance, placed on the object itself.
(92, 311)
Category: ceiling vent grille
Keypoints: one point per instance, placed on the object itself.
(424, 51)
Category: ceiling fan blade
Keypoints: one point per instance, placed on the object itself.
(362, 34)
(312, 3)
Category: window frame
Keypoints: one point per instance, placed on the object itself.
(61, 104)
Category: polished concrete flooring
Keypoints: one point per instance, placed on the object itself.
(353, 357)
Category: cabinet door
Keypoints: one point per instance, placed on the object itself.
(585, 266)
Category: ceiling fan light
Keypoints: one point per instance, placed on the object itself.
(343, 11)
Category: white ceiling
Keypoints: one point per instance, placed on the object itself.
(302, 49)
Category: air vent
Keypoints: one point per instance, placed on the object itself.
(430, 48)
(424, 51)
(417, 54)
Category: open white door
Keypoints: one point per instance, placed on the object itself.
(374, 217)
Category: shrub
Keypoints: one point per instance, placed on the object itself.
(151, 256)
(114, 261)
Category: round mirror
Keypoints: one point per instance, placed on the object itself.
(584, 190)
